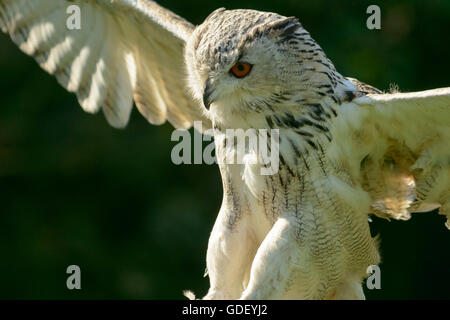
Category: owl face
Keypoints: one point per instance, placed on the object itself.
(241, 58)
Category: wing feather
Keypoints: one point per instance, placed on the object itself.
(126, 51)
(399, 146)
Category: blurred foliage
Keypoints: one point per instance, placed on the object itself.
(75, 191)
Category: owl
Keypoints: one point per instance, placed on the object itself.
(345, 149)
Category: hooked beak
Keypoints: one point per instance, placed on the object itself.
(207, 94)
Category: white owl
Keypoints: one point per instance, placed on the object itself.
(345, 148)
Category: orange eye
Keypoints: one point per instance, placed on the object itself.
(241, 69)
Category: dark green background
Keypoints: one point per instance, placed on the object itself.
(75, 191)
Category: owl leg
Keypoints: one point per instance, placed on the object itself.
(282, 269)
(275, 263)
(230, 252)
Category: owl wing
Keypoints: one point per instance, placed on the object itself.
(399, 146)
(124, 50)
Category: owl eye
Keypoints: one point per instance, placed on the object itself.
(241, 69)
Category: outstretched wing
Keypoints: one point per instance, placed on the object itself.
(125, 50)
(399, 146)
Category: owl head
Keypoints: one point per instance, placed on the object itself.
(246, 60)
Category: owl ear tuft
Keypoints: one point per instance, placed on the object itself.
(215, 12)
(283, 27)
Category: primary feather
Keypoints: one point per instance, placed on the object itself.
(125, 50)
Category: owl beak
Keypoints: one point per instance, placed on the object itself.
(207, 94)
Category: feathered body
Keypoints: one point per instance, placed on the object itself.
(330, 175)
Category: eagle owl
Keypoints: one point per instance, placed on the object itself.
(345, 148)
